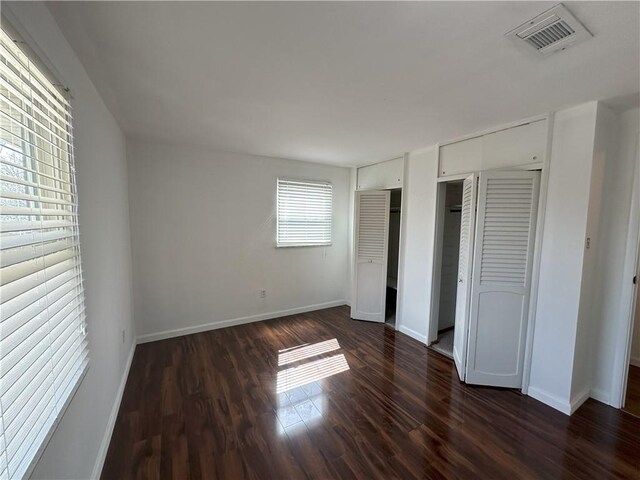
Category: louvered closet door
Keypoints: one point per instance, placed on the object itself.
(500, 291)
(465, 259)
(372, 234)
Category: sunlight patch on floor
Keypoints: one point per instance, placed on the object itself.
(306, 351)
(310, 372)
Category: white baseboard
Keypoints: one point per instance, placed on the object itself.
(635, 361)
(106, 439)
(579, 399)
(178, 332)
(552, 401)
(601, 395)
(413, 334)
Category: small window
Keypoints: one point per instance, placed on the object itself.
(304, 213)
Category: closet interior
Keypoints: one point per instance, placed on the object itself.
(392, 256)
(451, 216)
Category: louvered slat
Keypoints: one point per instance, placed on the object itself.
(505, 241)
(373, 212)
(19, 294)
(465, 230)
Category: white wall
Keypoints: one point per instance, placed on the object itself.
(419, 206)
(579, 309)
(616, 202)
(203, 239)
(104, 227)
(603, 163)
(562, 256)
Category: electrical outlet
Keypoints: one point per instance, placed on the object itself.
(123, 336)
(263, 294)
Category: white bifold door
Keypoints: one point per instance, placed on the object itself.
(500, 279)
(465, 265)
(371, 250)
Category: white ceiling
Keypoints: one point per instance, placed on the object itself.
(342, 83)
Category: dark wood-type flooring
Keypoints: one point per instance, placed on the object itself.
(207, 406)
(632, 402)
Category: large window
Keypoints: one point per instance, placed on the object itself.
(43, 349)
(304, 213)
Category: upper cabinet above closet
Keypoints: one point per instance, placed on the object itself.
(521, 146)
(384, 175)
(461, 157)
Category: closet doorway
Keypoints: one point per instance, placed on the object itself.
(378, 219)
(450, 215)
(496, 236)
(393, 256)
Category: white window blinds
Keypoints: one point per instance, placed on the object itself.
(304, 213)
(43, 348)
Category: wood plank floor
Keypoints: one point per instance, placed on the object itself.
(354, 400)
(632, 402)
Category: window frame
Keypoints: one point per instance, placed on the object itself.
(34, 451)
(322, 183)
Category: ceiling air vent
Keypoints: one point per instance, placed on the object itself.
(549, 32)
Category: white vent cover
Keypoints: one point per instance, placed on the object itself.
(550, 32)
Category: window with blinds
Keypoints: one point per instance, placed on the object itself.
(43, 348)
(304, 213)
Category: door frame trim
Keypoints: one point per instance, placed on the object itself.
(630, 295)
(436, 271)
(401, 240)
(537, 255)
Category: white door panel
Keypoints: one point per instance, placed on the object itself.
(500, 290)
(494, 356)
(465, 259)
(371, 250)
(368, 282)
